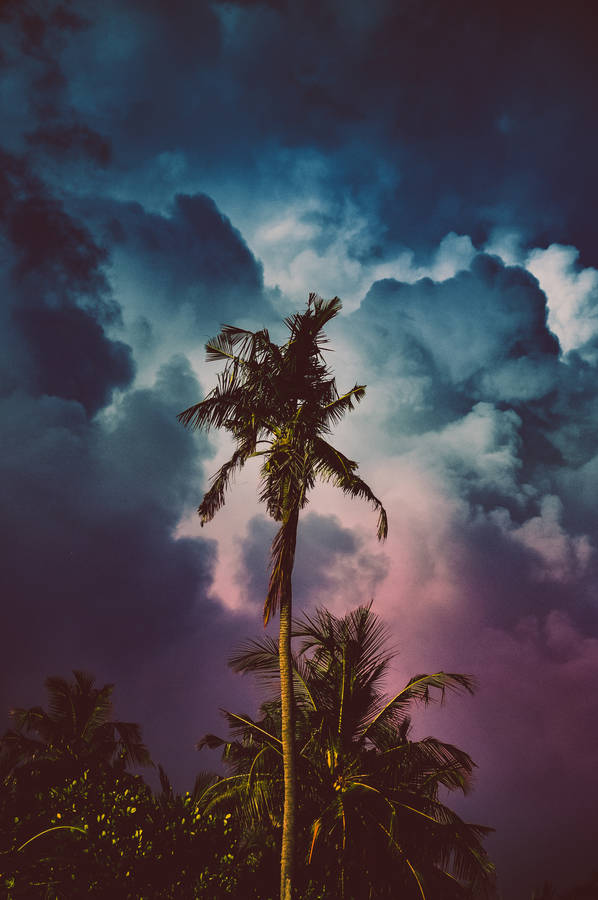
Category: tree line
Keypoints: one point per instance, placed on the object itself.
(371, 820)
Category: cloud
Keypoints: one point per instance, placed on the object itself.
(413, 98)
(332, 562)
(479, 407)
(194, 255)
(561, 557)
(73, 358)
(58, 303)
(95, 480)
(91, 504)
(71, 140)
(529, 723)
(572, 295)
(438, 348)
(491, 313)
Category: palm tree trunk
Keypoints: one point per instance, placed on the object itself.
(287, 853)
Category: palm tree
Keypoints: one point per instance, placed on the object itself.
(371, 818)
(279, 403)
(75, 733)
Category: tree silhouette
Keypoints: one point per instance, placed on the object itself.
(279, 403)
(75, 733)
(371, 817)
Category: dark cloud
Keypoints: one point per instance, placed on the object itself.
(480, 342)
(71, 141)
(491, 314)
(479, 336)
(95, 575)
(192, 257)
(328, 558)
(481, 112)
(72, 356)
(58, 299)
(68, 19)
(51, 245)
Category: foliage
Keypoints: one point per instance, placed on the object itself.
(75, 733)
(130, 844)
(73, 821)
(279, 402)
(587, 890)
(371, 818)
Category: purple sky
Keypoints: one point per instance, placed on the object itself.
(170, 167)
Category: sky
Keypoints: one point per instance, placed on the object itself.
(169, 167)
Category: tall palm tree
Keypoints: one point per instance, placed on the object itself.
(75, 733)
(280, 402)
(371, 818)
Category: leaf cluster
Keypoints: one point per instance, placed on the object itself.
(279, 403)
(74, 733)
(369, 797)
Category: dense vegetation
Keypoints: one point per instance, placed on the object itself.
(75, 821)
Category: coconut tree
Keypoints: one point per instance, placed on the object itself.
(75, 733)
(279, 403)
(371, 818)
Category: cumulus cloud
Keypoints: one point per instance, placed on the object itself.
(58, 302)
(333, 563)
(561, 557)
(572, 294)
(90, 504)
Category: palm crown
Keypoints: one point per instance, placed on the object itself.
(280, 403)
(371, 813)
(76, 732)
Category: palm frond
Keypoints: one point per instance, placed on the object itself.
(133, 749)
(332, 465)
(34, 719)
(211, 741)
(61, 699)
(245, 724)
(84, 682)
(258, 656)
(446, 764)
(419, 689)
(167, 792)
(282, 559)
(95, 709)
(75, 733)
(334, 411)
(219, 407)
(214, 498)
(222, 346)
(203, 781)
